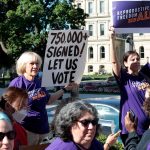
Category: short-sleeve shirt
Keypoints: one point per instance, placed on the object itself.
(132, 97)
(36, 120)
(59, 144)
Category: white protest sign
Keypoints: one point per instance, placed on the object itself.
(65, 57)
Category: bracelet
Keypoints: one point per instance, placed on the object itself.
(64, 89)
(108, 145)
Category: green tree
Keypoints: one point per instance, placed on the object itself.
(25, 24)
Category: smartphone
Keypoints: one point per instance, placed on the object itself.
(132, 115)
(2, 103)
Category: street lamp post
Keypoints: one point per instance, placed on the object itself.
(129, 39)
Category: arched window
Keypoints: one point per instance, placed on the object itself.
(90, 68)
(141, 51)
(102, 52)
(90, 52)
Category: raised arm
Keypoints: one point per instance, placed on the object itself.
(113, 55)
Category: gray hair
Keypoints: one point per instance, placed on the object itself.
(24, 59)
(69, 114)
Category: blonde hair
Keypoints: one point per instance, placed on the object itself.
(24, 59)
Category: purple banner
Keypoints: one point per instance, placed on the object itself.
(131, 14)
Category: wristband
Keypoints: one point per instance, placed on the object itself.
(64, 89)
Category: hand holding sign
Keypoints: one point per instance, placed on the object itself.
(65, 57)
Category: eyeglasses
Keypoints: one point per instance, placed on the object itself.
(10, 135)
(86, 122)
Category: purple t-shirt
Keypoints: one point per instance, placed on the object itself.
(59, 144)
(132, 97)
(37, 119)
(148, 147)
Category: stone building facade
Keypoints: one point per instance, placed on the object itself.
(98, 49)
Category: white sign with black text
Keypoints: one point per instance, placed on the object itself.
(65, 57)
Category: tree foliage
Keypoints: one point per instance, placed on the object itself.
(25, 24)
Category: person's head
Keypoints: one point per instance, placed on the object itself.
(16, 97)
(131, 61)
(14, 101)
(7, 134)
(77, 121)
(28, 62)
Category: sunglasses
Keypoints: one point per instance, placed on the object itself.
(10, 135)
(86, 122)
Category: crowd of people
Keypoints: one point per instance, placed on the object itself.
(27, 68)
(24, 119)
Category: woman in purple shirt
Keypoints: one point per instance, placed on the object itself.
(36, 121)
(132, 82)
(76, 127)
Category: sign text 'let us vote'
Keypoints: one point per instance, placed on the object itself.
(65, 57)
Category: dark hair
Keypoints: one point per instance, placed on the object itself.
(127, 54)
(2, 103)
(69, 114)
